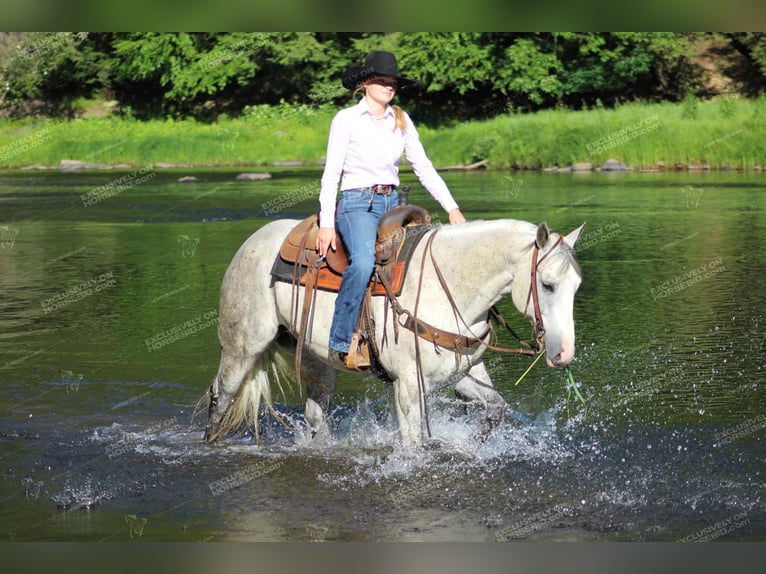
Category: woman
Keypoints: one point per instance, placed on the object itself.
(364, 150)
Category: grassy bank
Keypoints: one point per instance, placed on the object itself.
(717, 134)
(264, 136)
(725, 133)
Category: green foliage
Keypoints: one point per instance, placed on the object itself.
(188, 70)
(758, 50)
(53, 67)
(728, 108)
(689, 110)
(283, 112)
(532, 71)
(748, 67)
(463, 75)
(641, 135)
(453, 61)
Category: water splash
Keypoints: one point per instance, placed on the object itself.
(83, 493)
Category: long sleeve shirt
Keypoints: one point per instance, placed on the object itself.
(362, 151)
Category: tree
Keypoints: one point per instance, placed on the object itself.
(489, 73)
(746, 56)
(191, 74)
(48, 71)
(623, 66)
(463, 75)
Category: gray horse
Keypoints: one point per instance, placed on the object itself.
(455, 278)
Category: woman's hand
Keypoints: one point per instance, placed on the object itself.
(455, 216)
(326, 240)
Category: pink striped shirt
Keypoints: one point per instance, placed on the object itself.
(362, 152)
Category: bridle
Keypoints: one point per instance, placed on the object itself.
(532, 295)
(456, 341)
(459, 342)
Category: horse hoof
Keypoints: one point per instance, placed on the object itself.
(211, 434)
(434, 444)
(485, 430)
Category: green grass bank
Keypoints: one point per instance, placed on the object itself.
(722, 134)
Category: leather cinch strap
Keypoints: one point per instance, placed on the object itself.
(309, 298)
(440, 337)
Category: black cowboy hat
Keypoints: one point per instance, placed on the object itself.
(378, 63)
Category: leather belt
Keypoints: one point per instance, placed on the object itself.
(379, 188)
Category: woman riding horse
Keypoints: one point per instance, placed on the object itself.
(365, 146)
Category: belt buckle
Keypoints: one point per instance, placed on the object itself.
(382, 189)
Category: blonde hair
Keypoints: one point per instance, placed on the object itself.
(399, 116)
(399, 122)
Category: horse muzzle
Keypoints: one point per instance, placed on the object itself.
(561, 359)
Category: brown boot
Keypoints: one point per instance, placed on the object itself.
(337, 358)
(358, 357)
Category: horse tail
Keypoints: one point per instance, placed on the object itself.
(244, 411)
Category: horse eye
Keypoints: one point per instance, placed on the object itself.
(549, 287)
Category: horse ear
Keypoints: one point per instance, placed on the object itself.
(542, 235)
(574, 236)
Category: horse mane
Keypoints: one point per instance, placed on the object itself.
(491, 225)
(569, 258)
(566, 255)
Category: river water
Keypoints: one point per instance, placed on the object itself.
(108, 315)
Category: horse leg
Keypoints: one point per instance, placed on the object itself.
(477, 385)
(242, 382)
(320, 386)
(232, 371)
(407, 405)
(320, 381)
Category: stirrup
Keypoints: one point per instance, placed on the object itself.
(358, 357)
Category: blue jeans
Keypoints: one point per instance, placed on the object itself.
(358, 227)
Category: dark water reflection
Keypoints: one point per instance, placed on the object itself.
(98, 440)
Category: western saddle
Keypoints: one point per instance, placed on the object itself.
(308, 269)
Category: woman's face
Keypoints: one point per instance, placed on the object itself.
(382, 89)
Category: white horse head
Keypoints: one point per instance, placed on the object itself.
(553, 267)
